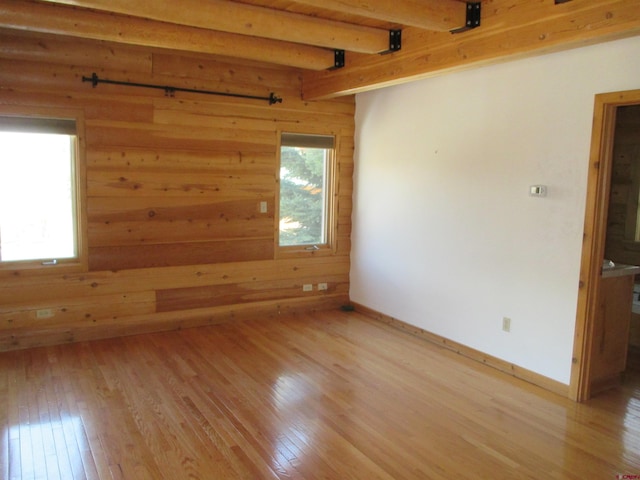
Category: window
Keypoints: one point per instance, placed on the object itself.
(306, 166)
(38, 217)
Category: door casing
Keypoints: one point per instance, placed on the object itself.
(594, 235)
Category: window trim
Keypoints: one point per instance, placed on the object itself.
(330, 247)
(58, 118)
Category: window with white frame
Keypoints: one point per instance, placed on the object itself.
(38, 212)
(306, 166)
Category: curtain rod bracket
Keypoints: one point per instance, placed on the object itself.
(273, 99)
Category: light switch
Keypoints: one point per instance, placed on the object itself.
(538, 190)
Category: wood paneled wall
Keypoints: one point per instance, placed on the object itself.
(173, 186)
(625, 188)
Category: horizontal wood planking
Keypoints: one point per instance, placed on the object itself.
(162, 223)
(183, 184)
(158, 232)
(106, 209)
(72, 297)
(194, 113)
(52, 76)
(30, 337)
(28, 46)
(215, 295)
(106, 108)
(51, 286)
(223, 72)
(74, 311)
(177, 137)
(184, 253)
(167, 160)
(174, 187)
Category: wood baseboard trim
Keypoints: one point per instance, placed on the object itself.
(17, 339)
(486, 359)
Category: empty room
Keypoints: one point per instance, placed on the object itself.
(304, 239)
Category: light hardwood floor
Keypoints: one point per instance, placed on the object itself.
(333, 395)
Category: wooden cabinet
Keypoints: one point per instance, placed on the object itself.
(634, 330)
(611, 331)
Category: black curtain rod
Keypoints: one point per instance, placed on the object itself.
(170, 91)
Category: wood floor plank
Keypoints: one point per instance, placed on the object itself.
(331, 395)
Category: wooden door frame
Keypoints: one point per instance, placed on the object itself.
(594, 236)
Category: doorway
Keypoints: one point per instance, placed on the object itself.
(595, 228)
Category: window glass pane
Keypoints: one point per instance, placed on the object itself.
(303, 195)
(37, 217)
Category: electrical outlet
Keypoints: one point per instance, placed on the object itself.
(44, 313)
(322, 286)
(307, 287)
(506, 324)
(263, 207)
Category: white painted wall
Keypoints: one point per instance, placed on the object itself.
(446, 236)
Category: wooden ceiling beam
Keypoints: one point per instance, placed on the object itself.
(82, 23)
(509, 31)
(438, 15)
(238, 18)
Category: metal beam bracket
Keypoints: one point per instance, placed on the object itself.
(338, 59)
(395, 42)
(473, 17)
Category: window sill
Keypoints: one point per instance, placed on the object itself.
(37, 268)
(302, 251)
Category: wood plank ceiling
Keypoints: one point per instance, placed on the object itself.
(298, 34)
(310, 34)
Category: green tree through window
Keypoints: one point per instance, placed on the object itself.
(304, 174)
